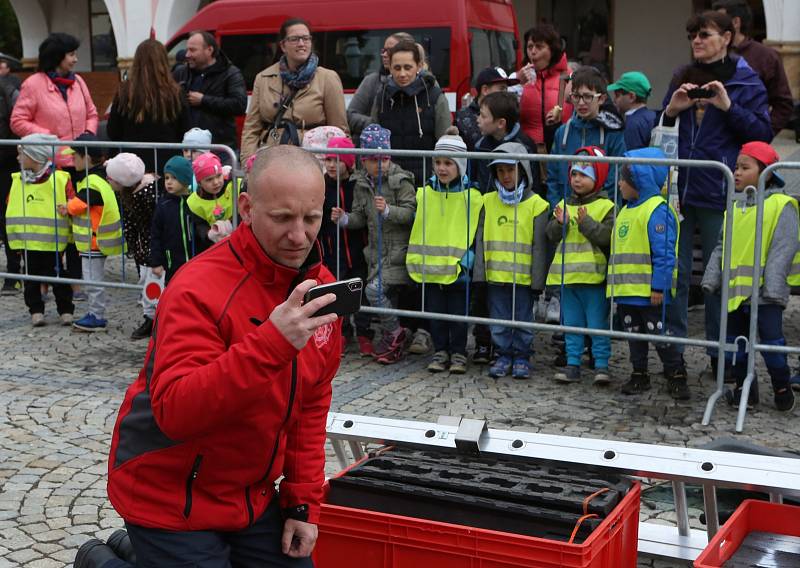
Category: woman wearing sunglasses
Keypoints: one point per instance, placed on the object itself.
(721, 104)
(293, 95)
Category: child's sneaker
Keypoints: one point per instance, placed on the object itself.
(794, 382)
(482, 355)
(458, 364)
(637, 384)
(421, 343)
(144, 330)
(10, 288)
(571, 374)
(521, 369)
(389, 341)
(80, 296)
(601, 377)
(784, 399)
(439, 362)
(365, 348)
(37, 320)
(66, 319)
(677, 386)
(501, 367)
(734, 396)
(395, 345)
(90, 322)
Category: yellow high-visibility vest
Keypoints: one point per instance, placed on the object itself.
(32, 218)
(444, 228)
(109, 230)
(743, 245)
(583, 262)
(508, 238)
(212, 210)
(630, 268)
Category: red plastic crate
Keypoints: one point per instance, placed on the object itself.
(750, 516)
(367, 539)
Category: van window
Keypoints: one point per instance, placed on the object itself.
(251, 53)
(491, 48)
(354, 54)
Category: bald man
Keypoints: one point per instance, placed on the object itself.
(234, 393)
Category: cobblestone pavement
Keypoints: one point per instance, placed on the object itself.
(60, 390)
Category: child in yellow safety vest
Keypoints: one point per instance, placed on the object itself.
(642, 270)
(512, 257)
(779, 251)
(97, 227)
(582, 228)
(37, 228)
(440, 251)
(213, 201)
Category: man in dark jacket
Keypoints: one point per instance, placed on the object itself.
(763, 59)
(234, 393)
(214, 88)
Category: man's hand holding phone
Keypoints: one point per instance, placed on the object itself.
(296, 320)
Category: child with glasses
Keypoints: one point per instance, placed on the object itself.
(592, 124)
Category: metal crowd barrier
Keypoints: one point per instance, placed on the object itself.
(778, 477)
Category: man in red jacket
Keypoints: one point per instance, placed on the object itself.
(234, 394)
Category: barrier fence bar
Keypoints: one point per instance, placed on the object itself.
(778, 477)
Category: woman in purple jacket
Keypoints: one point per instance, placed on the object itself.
(713, 126)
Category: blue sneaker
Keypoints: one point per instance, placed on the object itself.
(90, 322)
(521, 369)
(501, 367)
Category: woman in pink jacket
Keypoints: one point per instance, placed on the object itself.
(55, 100)
(540, 111)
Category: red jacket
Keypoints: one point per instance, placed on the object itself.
(534, 106)
(224, 404)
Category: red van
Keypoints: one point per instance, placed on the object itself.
(461, 37)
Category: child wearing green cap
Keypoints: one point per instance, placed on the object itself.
(630, 94)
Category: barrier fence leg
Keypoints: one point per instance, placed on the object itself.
(748, 382)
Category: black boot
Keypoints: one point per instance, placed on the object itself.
(734, 396)
(93, 554)
(676, 384)
(120, 543)
(144, 330)
(637, 384)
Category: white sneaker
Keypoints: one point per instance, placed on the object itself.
(37, 320)
(66, 319)
(554, 310)
(421, 343)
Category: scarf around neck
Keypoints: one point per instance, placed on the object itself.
(508, 196)
(302, 76)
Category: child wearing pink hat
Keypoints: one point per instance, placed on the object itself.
(212, 203)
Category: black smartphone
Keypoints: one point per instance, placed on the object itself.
(348, 297)
(700, 93)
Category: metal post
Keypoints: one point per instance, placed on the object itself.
(681, 509)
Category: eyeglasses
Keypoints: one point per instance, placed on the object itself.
(704, 35)
(298, 39)
(586, 97)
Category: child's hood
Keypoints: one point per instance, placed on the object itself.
(649, 178)
(513, 148)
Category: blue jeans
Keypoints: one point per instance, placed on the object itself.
(770, 332)
(258, 545)
(508, 341)
(450, 299)
(709, 223)
(586, 305)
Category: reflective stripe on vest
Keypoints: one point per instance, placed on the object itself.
(108, 236)
(630, 268)
(212, 210)
(740, 285)
(508, 238)
(444, 228)
(32, 220)
(583, 262)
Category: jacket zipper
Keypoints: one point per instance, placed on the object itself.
(250, 513)
(187, 509)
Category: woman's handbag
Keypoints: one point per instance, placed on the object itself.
(666, 138)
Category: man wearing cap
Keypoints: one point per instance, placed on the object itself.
(630, 94)
(490, 80)
(234, 394)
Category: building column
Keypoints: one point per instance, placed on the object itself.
(33, 29)
(783, 34)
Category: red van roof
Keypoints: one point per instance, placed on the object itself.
(258, 15)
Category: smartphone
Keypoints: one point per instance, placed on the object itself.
(700, 93)
(348, 297)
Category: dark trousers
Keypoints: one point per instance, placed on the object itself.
(411, 299)
(43, 263)
(770, 332)
(450, 299)
(257, 546)
(7, 166)
(479, 298)
(74, 268)
(361, 320)
(647, 319)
